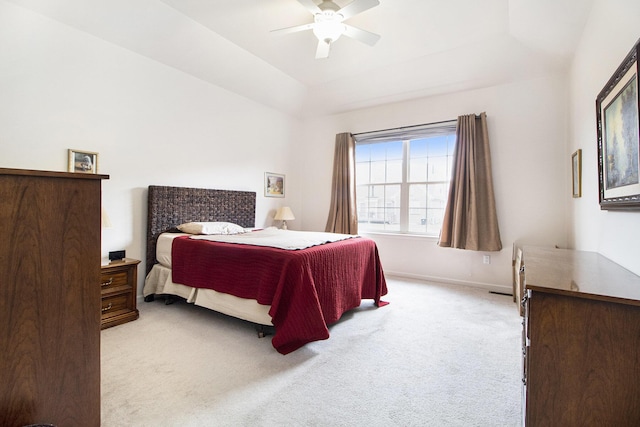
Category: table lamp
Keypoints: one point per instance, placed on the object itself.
(284, 214)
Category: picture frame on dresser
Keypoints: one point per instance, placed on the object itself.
(81, 161)
(618, 124)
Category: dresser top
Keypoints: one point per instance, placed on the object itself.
(51, 174)
(578, 273)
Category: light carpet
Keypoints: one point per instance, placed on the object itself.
(438, 355)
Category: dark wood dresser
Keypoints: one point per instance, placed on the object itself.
(49, 301)
(581, 340)
(119, 285)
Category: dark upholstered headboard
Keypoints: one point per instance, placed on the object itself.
(169, 207)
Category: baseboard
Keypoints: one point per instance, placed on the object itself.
(508, 290)
(491, 287)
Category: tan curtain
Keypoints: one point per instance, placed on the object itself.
(342, 214)
(470, 220)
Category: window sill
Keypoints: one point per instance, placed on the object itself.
(400, 235)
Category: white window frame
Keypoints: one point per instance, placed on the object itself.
(405, 135)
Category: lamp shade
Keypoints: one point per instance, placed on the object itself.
(284, 214)
(106, 221)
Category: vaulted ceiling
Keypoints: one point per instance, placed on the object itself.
(427, 47)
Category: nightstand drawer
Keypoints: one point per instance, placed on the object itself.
(115, 279)
(116, 304)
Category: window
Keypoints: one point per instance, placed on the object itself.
(402, 178)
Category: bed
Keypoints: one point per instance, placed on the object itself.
(297, 292)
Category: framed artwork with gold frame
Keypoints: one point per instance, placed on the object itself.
(618, 124)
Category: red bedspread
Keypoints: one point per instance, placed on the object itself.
(307, 289)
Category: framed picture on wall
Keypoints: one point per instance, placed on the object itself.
(618, 124)
(273, 184)
(576, 173)
(82, 161)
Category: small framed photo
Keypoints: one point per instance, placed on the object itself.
(576, 173)
(83, 161)
(618, 124)
(273, 184)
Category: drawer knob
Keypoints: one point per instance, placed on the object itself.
(107, 308)
(107, 283)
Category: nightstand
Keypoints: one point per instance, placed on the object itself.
(119, 286)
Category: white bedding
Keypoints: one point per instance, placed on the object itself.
(276, 238)
(163, 247)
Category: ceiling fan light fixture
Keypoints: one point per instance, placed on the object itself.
(328, 23)
(329, 32)
(328, 26)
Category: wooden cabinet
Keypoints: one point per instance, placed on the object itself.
(581, 340)
(49, 301)
(118, 285)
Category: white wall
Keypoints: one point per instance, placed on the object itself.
(612, 30)
(151, 124)
(527, 130)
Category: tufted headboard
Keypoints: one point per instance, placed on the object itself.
(169, 207)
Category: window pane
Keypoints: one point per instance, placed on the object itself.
(363, 153)
(379, 207)
(392, 195)
(378, 151)
(417, 169)
(438, 169)
(418, 160)
(385, 151)
(417, 220)
(437, 195)
(417, 208)
(394, 150)
(362, 173)
(438, 146)
(362, 202)
(370, 200)
(417, 196)
(394, 171)
(392, 208)
(378, 171)
(418, 147)
(451, 144)
(434, 220)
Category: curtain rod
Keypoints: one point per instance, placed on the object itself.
(405, 127)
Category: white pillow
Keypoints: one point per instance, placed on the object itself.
(211, 228)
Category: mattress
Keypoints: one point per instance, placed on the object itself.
(158, 282)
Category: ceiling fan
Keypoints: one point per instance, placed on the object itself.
(328, 23)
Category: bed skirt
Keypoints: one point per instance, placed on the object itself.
(158, 282)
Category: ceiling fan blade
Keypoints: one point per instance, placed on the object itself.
(355, 7)
(311, 6)
(361, 35)
(323, 50)
(294, 29)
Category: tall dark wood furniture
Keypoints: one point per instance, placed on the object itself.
(49, 300)
(581, 340)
